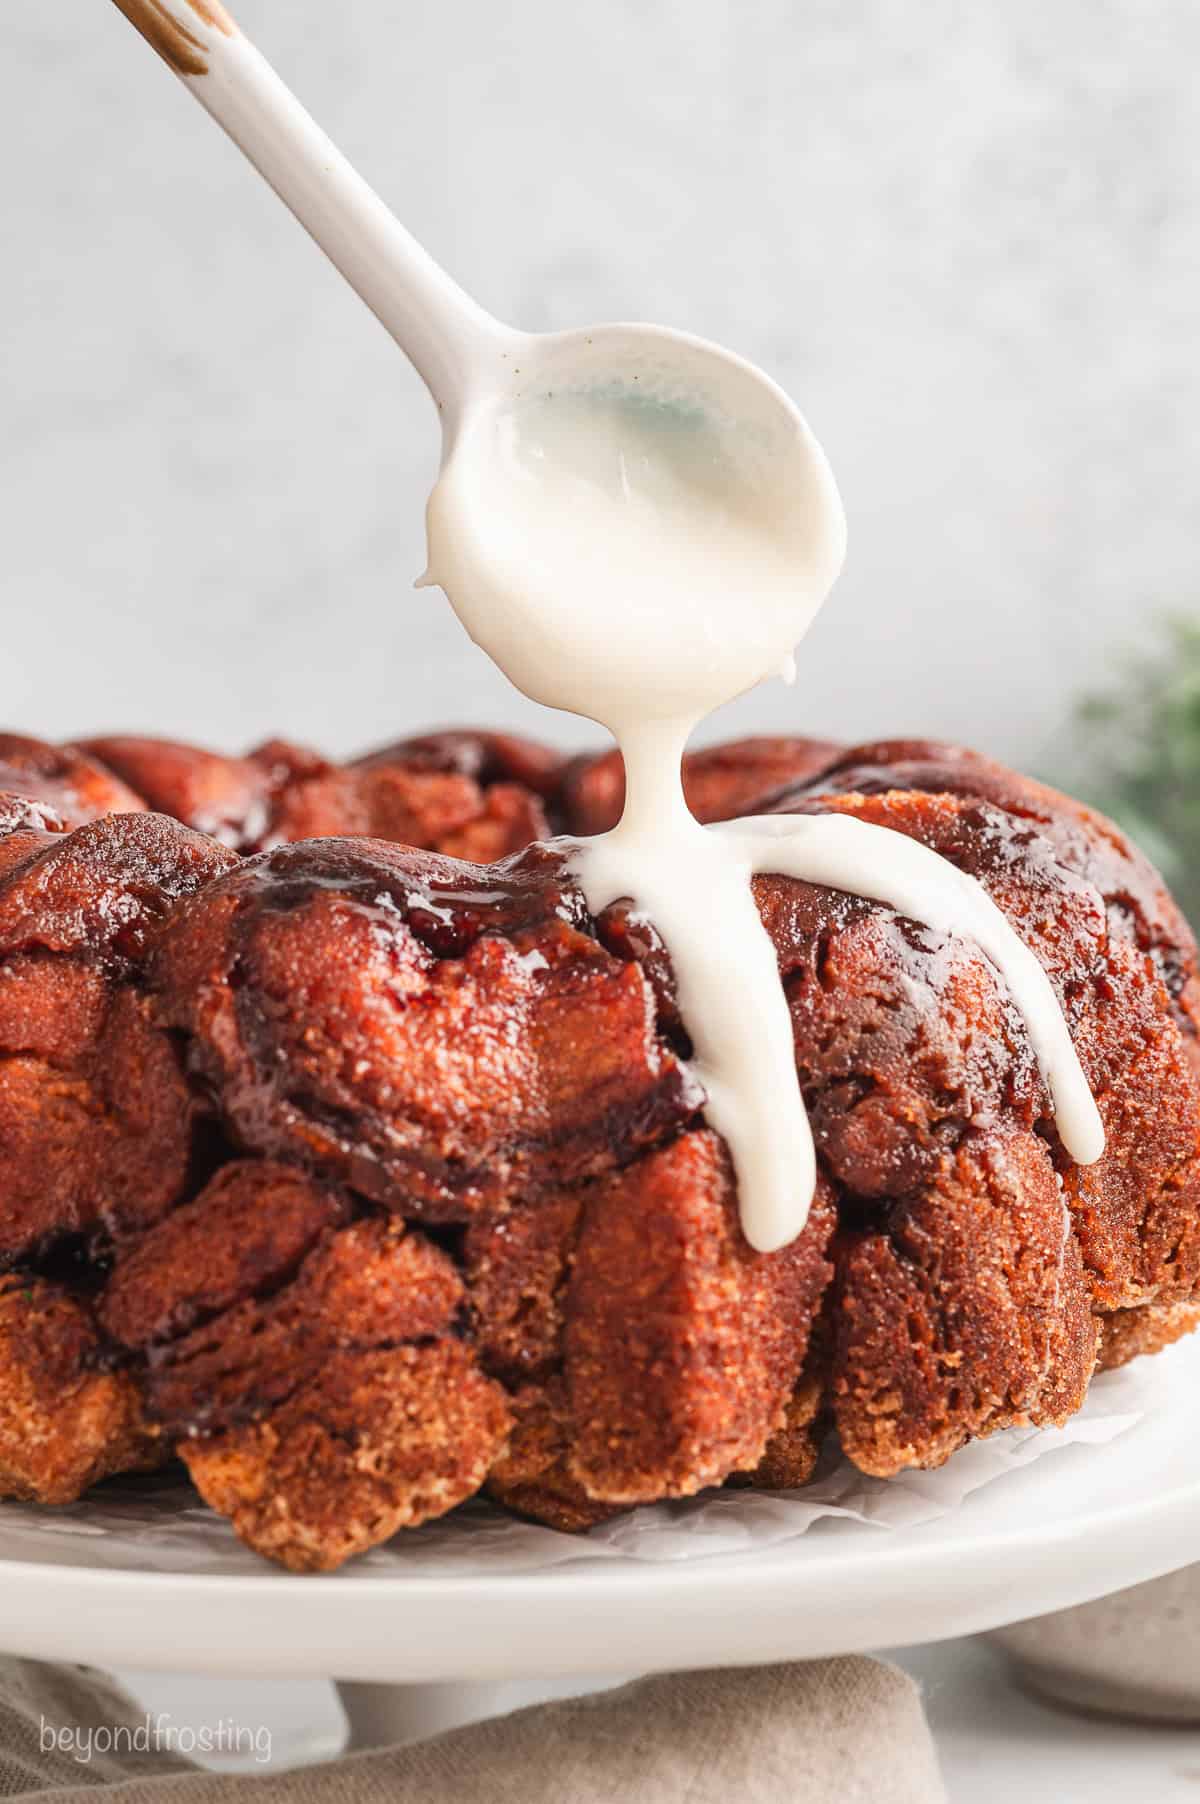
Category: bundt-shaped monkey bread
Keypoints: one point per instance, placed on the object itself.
(345, 1156)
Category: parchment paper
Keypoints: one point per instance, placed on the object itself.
(159, 1524)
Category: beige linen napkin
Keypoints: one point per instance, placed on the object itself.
(848, 1730)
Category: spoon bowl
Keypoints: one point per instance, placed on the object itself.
(691, 467)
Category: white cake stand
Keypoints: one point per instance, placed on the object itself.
(1077, 1524)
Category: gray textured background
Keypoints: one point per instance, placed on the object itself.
(966, 237)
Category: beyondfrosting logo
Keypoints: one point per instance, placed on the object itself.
(157, 1734)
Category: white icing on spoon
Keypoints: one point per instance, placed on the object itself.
(637, 526)
(634, 554)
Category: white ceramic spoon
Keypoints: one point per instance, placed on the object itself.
(481, 373)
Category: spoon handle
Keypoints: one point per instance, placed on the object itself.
(447, 336)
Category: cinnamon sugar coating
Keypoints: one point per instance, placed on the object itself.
(311, 1370)
(375, 1442)
(652, 1350)
(65, 1421)
(478, 796)
(369, 1171)
(434, 1035)
(227, 798)
(242, 1237)
(1131, 1333)
(97, 1120)
(75, 786)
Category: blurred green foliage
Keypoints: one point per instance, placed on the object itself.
(1136, 754)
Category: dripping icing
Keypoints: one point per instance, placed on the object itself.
(733, 1003)
(633, 556)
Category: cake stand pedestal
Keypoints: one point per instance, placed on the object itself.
(381, 1716)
